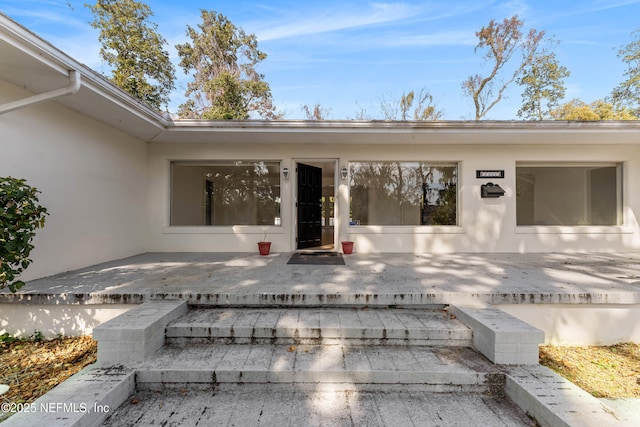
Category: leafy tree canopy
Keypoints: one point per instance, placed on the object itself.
(543, 81)
(500, 42)
(223, 60)
(628, 92)
(598, 110)
(133, 48)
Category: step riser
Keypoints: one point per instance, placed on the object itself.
(291, 326)
(318, 333)
(188, 341)
(341, 387)
(435, 379)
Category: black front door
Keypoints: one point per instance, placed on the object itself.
(309, 206)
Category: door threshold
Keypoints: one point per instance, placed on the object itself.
(322, 252)
(318, 250)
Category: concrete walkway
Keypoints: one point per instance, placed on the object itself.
(366, 279)
(273, 405)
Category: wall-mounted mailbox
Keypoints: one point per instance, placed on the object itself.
(491, 190)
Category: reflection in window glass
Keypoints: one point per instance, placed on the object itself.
(403, 193)
(568, 195)
(225, 193)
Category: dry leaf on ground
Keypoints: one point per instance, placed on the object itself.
(31, 369)
(604, 371)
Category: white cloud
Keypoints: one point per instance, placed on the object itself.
(516, 7)
(610, 4)
(333, 19)
(597, 6)
(445, 38)
(39, 16)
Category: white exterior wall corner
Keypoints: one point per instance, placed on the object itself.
(92, 180)
(484, 225)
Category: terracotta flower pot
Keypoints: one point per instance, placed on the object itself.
(347, 247)
(264, 248)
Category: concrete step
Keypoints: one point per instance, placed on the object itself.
(314, 405)
(441, 369)
(356, 326)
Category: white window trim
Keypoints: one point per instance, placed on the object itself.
(406, 229)
(224, 229)
(574, 229)
(216, 229)
(580, 229)
(412, 229)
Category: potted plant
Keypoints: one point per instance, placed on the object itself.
(347, 247)
(263, 246)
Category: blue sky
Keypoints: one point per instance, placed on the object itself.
(349, 55)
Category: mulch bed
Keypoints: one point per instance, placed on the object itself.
(31, 368)
(604, 371)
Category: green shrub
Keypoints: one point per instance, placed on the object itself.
(20, 216)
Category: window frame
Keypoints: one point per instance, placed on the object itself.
(619, 228)
(409, 228)
(221, 228)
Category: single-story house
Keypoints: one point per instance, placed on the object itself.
(120, 179)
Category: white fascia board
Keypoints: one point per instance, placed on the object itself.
(443, 126)
(382, 132)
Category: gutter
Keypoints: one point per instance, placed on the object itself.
(70, 89)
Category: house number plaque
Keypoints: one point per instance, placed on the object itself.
(490, 174)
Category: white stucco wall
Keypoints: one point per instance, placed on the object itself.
(484, 225)
(92, 180)
(70, 320)
(580, 324)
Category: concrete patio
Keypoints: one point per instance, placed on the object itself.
(366, 279)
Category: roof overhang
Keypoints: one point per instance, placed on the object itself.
(29, 62)
(385, 132)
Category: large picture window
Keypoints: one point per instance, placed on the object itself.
(403, 193)
(225, 193)
(569, 195)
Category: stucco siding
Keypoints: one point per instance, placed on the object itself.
(92, 179)
(484, 225)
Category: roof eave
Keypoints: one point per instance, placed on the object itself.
(403, 132)
(139, 119)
